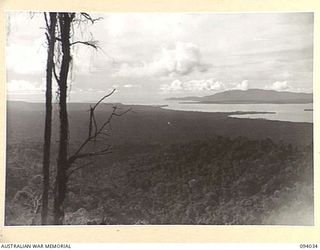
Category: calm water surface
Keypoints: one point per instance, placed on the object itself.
(283, 112)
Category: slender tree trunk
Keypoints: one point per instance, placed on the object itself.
(48, 123)
(65, 20)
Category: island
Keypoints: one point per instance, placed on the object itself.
(250, 96)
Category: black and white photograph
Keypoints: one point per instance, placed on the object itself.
(154, 118)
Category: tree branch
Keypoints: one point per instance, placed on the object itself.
(92, 44)
(93, 135)
(48, 38)
(94, 121)
(88, 17)
(55, 73)
(77, 168)
(106, 96)
(78, 156)
(46, 19)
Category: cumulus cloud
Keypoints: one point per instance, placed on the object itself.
(193, 85)
(210, 84)
(279, 86)
(244, 85)
(26, 60)
(183, 59)
(176, 85)
(131, 86)
(22, 86)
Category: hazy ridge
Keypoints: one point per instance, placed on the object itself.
(250, 96)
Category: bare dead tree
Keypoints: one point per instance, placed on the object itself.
(65, 163)
(51, 22)
(94, 132)
(65, 20)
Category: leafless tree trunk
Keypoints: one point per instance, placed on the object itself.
(65, 20)
(66, 164)
(50, 34)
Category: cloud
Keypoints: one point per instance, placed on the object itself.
(131, 86)
(28, 58)
(278, 86)
(210, 84)
(183, 59)
(244, 85)
(22, 87)
(193, 86)
(174, 86)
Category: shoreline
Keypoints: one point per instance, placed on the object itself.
(73, 106)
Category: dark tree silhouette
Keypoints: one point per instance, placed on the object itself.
(50, 35)
(65, 20)
(65, 163)
(95, 131)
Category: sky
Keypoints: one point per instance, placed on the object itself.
(148, 57)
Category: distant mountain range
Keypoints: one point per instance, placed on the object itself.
(250, 96)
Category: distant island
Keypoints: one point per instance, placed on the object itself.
(250, 96)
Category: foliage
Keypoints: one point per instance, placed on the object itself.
(217, 181)
(169, 177)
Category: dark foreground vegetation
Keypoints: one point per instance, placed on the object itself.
(170, 167)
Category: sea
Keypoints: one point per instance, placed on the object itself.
(280, 112)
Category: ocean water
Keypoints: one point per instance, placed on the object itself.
(283, 112)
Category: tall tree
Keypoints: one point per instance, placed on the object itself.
(65, 21)
(50, 35)
(66, 163)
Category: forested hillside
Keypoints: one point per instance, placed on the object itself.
(196, 179)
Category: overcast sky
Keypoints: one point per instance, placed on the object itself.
(149, 57)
